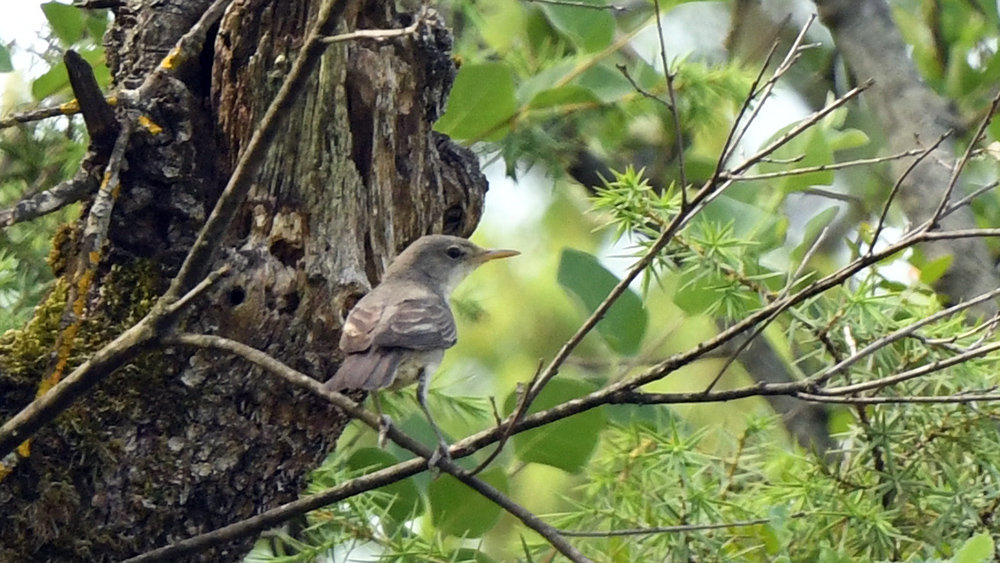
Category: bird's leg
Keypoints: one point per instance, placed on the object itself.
(384, 422)
(442, 450)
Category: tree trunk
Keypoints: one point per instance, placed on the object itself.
(913, 116)
(177, 444)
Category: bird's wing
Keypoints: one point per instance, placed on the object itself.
(420, 323)
(361, 323)
(375, 369)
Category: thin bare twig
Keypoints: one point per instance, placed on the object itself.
(95, 232)
(635, 86)
(968, 199)
(816, 117)
(790, 160)
(830, 194)
(584, 5)
(961, 398)
(960, 165)
(197, 291)
(932, 367)
(758, 329)
(678, 133)
(712, 189)
(961, 233)
(735, 134)
(899, 183)
(508, 427)
(821, 167)
(679, 529)
(987, 328)
(899, 334)
(373, 34)
(813, 249)
(793, 53)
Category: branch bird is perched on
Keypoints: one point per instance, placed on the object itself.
(397, 334)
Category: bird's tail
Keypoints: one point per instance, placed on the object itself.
(374, 369)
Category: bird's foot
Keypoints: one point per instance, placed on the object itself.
(442, 453)
(384, 424)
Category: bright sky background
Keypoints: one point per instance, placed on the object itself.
(21, 23)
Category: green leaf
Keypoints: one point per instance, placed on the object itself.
(566, 444)
(625, 323)
(563, 96)
(544, 80)
(608, 83)
(97, 24)
(67, 21)
(5, 64)
(468, 555)
(978, 549)
(53, 81)
(481, 103)
(589, 29)
(460, 511)
(813, 229)
(848, 139)
(403, 501)
(933, 270)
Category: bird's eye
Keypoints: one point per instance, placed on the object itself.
(454, 252)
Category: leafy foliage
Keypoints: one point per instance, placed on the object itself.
(555, 87)
(36, 156)
(908, 480)
(32, 157)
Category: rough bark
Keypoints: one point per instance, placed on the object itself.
(176, 444)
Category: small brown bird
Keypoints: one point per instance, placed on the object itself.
(397, 334)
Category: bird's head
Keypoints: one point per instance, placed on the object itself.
(442, 260)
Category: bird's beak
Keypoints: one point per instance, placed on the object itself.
(495, 255)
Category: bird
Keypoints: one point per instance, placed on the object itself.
(397, 334)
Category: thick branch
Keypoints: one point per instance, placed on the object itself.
(69, 108)
(97, 113)
(42, 203)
